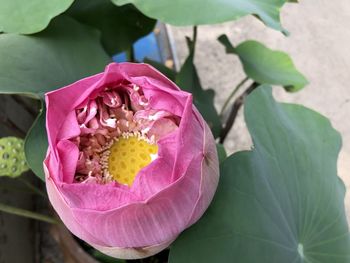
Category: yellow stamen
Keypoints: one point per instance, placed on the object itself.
(128, 155)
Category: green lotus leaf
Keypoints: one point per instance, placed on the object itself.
(51, 59)
(266, 66)
(188, 80)
(120, 26)
(36, 145)
(281, 201)
(197, 12)
(29, 16)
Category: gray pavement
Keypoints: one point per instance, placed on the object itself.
(319, 46)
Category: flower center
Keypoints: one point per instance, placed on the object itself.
(128, 155)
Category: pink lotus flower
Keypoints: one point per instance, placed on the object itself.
(131, 163)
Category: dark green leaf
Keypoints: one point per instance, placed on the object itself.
(266, 66)
(62, 54)
(36, 145)
(188, 80)
(29, 16)
(196, 12)
(229, 48)
(104, 258)
(120, 26)
(280, 202)
(221, 152)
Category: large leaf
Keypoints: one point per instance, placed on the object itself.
(36, 145)
(280, 202)
(188, 80)
(120, 26)
(196, 12)
(266, 66)
(29, 16)
(66, 52)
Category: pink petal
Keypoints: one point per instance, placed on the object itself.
(101, 197)
(63, 210)
(68, 153)
(111, 98)
(209, 175)
(161, 127)
(157, 220)
(132, 253)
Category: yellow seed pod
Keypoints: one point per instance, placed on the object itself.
(128, 155)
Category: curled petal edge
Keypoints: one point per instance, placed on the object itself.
(133, 253)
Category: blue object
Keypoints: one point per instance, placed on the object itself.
(146, 47)
(121, 57)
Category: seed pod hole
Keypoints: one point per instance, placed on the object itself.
(143, 156)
